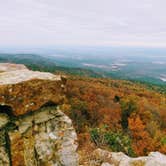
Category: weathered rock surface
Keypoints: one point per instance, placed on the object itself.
(120, 159)
(17, 76)
(107, 164)
(24, 90)
(33, 131)
(45, 137)
(4, 119)
(11, 67)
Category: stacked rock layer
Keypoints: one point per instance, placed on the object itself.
(33, 131)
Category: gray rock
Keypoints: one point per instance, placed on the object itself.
(120, 159)
(56, 142)
(46, 139)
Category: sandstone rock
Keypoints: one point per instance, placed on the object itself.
(11, 67)
(33, 131)
(17, 148)
(107, 164)
(4, 156)
(50, 141)
(18, 76)
(25, 90)
(120, 159)
(4, 119)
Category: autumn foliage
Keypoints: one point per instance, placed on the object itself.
(142, 142)
(129, 111)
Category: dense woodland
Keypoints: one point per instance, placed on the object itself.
(113, 114)
(116, 115)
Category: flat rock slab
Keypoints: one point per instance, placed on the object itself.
(18, 76)
(120, 159)
(24, 90)
(11, 67)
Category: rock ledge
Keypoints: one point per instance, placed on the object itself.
(120, 159)
(24, 90)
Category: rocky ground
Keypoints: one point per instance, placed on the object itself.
(106, 158)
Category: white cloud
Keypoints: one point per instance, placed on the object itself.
(87, 22)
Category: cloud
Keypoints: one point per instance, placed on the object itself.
(94, 22)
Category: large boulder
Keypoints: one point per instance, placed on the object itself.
(33, 130)
(120, 159)
(25, 90)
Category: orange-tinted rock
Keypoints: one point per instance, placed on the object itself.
(17, 149)
(45, 137)
(25, 90)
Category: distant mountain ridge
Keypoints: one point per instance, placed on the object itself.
(71, 66)
(41, 63)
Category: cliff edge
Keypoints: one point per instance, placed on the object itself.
(33, 131)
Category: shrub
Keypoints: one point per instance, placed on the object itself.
(116, 141)
(163, 141)
(128, 107)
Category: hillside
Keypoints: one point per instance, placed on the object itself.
(108, 116)
(116, 115)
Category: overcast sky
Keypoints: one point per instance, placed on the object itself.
(83, 22)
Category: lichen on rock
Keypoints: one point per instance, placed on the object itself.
(120, 159)
(45, 142)
(33, 131)
(44, 137)
(25, 90)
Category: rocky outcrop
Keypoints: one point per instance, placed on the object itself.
(45, 137)
(4, 67)
(25, 91)
(33, 131)
(120, 159)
